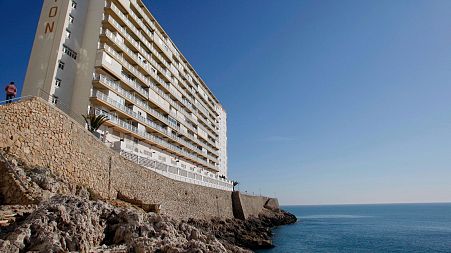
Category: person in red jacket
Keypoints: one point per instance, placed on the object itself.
(11, 92)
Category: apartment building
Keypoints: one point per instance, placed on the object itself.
(111, 57)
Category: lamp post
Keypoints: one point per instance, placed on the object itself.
(235, 183)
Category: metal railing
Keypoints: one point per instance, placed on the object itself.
(174, 51)
(51, 99)
(150, 84)
(164, 169)
(13, 100)
(117, 88)
(115, 120)
(179, 173)
(132, 27)
(148, 122)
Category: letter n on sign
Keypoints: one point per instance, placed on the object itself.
(49, 27)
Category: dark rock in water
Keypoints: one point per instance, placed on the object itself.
(253, 233)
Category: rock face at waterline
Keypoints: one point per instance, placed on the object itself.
(62, 218)
(72, 223)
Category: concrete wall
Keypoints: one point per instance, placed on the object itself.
(76, 77)
(39, 134)
(246, 206)
(46, 51)
(177, 198)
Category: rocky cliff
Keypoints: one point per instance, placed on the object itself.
(64, 218)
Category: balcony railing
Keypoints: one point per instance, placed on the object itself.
(157, 66)
(115, 120)
(150, 123)
(179, 174)
(154, 51)
(117, 88)
(174, 51)
(150, 84)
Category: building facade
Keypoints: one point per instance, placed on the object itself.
(111, 57)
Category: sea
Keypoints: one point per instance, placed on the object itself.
(366, 228)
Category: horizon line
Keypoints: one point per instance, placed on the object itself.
(381, 203)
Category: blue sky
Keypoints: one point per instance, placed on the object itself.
(327, 101)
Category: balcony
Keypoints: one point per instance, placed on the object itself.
(154, 140)
(145, 42)
(157, 66)
(150, 84)
(199, 106)
(113, 85)
(202, 177)
(149, 123)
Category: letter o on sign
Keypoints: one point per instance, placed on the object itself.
(53, 11)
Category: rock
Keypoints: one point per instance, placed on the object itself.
(194, 235)
(72, 223)
(253, 233)
(6, 246)
(70, 218)
(272, 204)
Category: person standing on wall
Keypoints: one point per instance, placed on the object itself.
(11, 92)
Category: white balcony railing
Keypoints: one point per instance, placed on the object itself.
(115, 120)
(117, 88)
(125, 19)
(150, 84)
(151, 124)
(179, 174)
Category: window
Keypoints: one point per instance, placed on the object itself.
(172, 120)
(58, 82)
(71, 19)
(68, 34)
(54, 99)
(70, 52)
(128, 76)
(74, 4)
(61, 65)
(141, 58)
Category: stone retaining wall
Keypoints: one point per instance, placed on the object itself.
(246, 205)
(39, 134)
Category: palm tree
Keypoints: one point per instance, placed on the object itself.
(94, 122)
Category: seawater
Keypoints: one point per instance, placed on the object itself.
(366, 228)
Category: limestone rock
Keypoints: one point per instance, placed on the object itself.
(71, 223)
